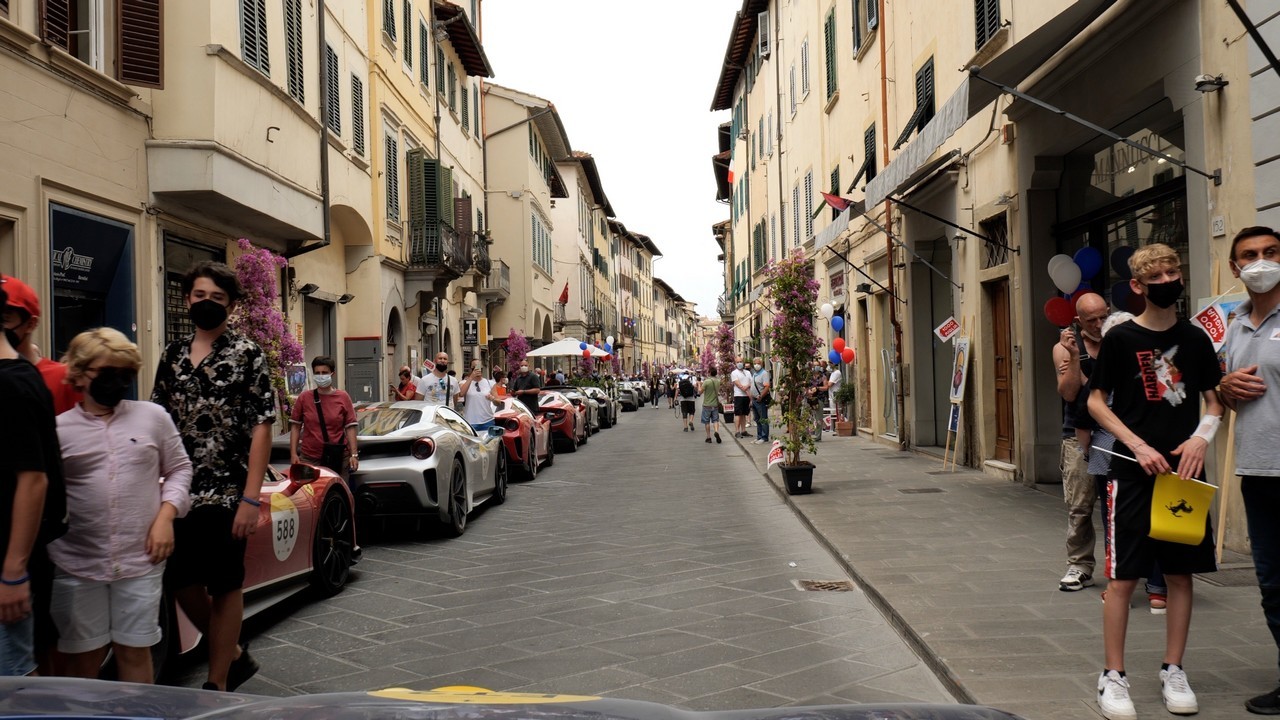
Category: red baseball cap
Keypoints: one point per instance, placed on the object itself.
(21, 296)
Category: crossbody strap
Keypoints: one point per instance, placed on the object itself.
(324, 429)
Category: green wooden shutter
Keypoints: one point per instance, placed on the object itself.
(55, 22)
(141, 42)
(829, 45)
(439, 70)
(332, 98)
(424, 54)
(295, 80)
(408, 33)
(857, 25)
(453, 88)
(391, 159)
(389, 18)
(466, 110)
(986, 15)
(4, 7)
(444, 198)
(869, 148)
(835, 189)
(475, 102)
(357, 115)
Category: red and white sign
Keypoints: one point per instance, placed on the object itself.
(947, 329)
(775, 453)
(1213, 320)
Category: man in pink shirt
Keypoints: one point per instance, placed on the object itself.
(110, 563)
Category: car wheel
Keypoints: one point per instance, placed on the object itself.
(551, 451)
(573, 445)
(586, 434)
(333, 546)
(531, 460)
(500, 480)
(457, 523)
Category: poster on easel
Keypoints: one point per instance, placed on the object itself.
(959, 369)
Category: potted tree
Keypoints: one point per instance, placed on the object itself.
(794, 295)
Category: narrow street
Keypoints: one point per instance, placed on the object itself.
(650, 565)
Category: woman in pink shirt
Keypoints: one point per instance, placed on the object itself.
(115, 453)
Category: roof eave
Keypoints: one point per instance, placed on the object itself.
(463, 38)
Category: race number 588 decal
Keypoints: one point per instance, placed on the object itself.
(284, 526)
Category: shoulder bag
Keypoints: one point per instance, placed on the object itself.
(333, 455)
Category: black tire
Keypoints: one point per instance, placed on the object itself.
(500, 480)
(456, 525)
(333, 546)
(531, 460)
(586, 433)
(573, 445)
(551, 451)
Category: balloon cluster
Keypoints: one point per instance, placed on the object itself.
(1071, 273)
(839, 352)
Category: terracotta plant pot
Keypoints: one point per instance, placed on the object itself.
(844, 429)
(798, 478)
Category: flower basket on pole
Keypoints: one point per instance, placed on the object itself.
(793, 294)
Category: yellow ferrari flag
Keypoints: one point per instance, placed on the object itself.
(1180, 509)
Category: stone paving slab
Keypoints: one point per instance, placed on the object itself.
(970, 576)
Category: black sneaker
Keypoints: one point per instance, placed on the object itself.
(1268, 704)
(242, 668)
(708, 439)
(717, 438)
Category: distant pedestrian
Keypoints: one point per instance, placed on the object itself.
(500, 383)
(1156, 365)
(761, 398)
(478, 390)
(438, 387)
(741, 381)
(322, 428)
(559, 377)
(709, 388)
(688, 400)
(407, 388)
(1253, 363)
(655, 389)
(527, 387)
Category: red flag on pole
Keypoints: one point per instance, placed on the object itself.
(564, 296)
(837, 202)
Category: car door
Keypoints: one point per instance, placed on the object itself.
(475, 452)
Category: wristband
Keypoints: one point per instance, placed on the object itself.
(250, 501)
(1208, 428)
(20, 581)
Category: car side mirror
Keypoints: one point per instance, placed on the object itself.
(302, 473)
(496, 432)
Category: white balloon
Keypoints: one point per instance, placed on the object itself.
(1066, 276)
(609, 340)
(1057, 260)
(827, 310)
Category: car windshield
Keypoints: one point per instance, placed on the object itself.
(549, 399)
(385, 421)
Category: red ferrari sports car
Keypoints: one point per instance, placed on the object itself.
(527, 437)
(568, 422)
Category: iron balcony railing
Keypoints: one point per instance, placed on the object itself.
(480, 255)
(498, 277)
(439, 247)
(595, 320)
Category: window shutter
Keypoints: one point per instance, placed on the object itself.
(986, 20)
(835, 189)
(462, 218)
(475, 112)
(873, 14)
(389, 18)
(439, 70)
(391, 152)
(293, 49)
(140, 42)
(480, 227)
(253, 35)
(444, 200)
(804, 67)
(466, 110)
(55, 22)
(808, 206)
(924, 93)
(408, 33)
(357, 115)
(424, 54)
(795, 215)
(4, 7)
(773, 236)
(855, 6)
(793, 89)
(453, 88)
(762, 34)
(869, 147)
(333, 106)
(829, 46)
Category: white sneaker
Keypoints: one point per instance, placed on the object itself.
(1075, 579)
(1178, 698)
(1113, 697)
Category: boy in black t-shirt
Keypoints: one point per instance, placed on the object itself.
(1156, 364)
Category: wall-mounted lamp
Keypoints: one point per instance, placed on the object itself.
(1004, 199)
(346, 298)
(1210, 83)
(862, 287)
(308, 289)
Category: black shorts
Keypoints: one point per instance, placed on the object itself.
(687, 407)
(205, 553)
(741, 405)
(1131, 551)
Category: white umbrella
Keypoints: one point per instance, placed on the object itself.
(568, 347)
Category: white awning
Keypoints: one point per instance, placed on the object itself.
(1009, 67)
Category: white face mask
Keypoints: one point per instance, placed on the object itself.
(323, 381)
(738, 365)
(1260, 276)
(757, 367)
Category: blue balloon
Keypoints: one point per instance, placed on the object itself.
(837, 323)
(582, 346)
(1120, 261)
(834, 357)
(608, 348)
(1089, 260)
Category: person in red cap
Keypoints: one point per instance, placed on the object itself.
(21, 316)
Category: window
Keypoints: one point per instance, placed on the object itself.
(333, 106)
(986, 21)
(296, 81)
(141, 42)
(453, 88)
(867, 170)
(829, 47)
(795, 215)
(76, 27)
(357, 115)
(782, 227)
(769, 135)
(408, 34)
(804, 68)
(4, 8)
(793, 90)
(773, 236)
(859, 34)
(389, 18)
(475, 109)
(439, 69)
(924, 103)
(808, 205)
(466, 110)
(873, 14)
(835, 189)
(424, 53)
(253, 35)
(391, 156)
(541, 243)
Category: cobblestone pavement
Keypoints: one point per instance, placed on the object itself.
(650, 565)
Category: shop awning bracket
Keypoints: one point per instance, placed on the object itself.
(1215, 176)
(896, 241)
(961, 228)
(864, 274)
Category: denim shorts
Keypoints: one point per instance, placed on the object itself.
(710, 415)
(17, 648)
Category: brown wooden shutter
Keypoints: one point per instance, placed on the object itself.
(141, 42)
(55, 22)
(4, 6)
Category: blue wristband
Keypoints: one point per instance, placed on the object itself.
(20, 581)
(251, 501)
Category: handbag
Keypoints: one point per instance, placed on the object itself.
(333, 455)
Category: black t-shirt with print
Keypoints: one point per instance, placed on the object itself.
(29, 443)
(1157, 378)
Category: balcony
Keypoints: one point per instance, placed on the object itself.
(497, 285)
(558, 321)
(595, 320)
(437, 257)
(480, 259)
(724, 308)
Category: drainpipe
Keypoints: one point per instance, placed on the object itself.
(327, 233)
(899, 399)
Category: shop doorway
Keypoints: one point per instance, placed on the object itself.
(932, 304)
(319, 329)
(1002, 368)
(180, 256)
(91, 263)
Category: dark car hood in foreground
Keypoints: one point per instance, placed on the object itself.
(68, 698)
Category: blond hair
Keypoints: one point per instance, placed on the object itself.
(102, 343)
(1150, 257)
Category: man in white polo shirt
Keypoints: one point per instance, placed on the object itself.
(741, 381)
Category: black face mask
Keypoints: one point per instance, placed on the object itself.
(1164, 294)
(12, 336)
(441, 367)
(208, 314)
(111, 385)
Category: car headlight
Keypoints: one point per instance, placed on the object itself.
(423, 447)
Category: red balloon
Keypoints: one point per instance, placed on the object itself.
(838, 344)
(607, 358)
(586, 353)
(1059, 311)
(847, 355)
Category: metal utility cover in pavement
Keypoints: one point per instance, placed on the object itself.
(824, 585)
(919, 491)
(1233, 577)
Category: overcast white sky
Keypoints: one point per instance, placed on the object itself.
(632, 82)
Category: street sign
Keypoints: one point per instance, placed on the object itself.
(947, 329)
(484, 331)
(470, 332)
